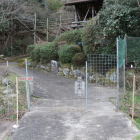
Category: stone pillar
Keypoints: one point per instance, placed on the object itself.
(54, 66)
(80, 87)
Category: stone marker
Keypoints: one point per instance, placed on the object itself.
(54, 66)
(80, 87)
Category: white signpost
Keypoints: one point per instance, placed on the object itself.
(25, 78)
(80, 87)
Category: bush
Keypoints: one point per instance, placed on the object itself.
(94, 41)
(67, 52)
(72, 37)
(35, 54)
(53, 5)
(30, 48)
(79, 59)
(48, 52)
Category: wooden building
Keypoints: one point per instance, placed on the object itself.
(85, 9)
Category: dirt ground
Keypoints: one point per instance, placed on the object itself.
(5, 128)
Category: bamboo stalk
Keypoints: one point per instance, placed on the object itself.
(133, 94)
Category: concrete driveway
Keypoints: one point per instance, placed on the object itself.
(61, 115)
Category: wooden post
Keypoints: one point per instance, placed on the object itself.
(75, 15)
(133, 95)
(60, 23)
(92, 12)
(59, 26)
(17, 97)
(34, 28)
(47, 30)
(86, 14)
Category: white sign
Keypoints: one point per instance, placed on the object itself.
(25, 78)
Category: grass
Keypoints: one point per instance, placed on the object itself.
(22, 98)
(7, 138)
(137, 137)
(137, 122)
(126, 107)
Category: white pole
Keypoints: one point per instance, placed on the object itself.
(17, 97)
(86, 86)
(7, 64)
(117, 92)
(7, 96)
(134, 84)
(27, 86)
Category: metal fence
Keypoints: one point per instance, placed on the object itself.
(102, 78)
(129, 64)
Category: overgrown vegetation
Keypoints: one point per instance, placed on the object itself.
(94, 41)
(120, 17)
(48, 52)
(8, 97)
(53, 5)
(79, 59)
(72, 37)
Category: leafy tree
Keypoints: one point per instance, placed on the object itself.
(53, 5)
(72, 36)
(93, 39)
(120, 16)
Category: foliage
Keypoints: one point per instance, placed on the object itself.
(35, 54)
(79, 59)
(16, 50)
(120, 17)
(30, 48)
(108, 49)
(67, 52)
(53, 5)
(94, 41)
(72, 37)
(137, 137)
(48, 52)
(133, 49)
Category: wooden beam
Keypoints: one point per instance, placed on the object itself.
(75, 14)
(92, 11)
(87, 13)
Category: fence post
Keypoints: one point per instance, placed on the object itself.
(47, 30)
(117, 92)
(134, 84)
(86, 86)
(27, 86)
(7, 92)
(34, 28)
(17, 97)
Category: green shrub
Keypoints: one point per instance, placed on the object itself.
(79, 59)
(29, 48)
(53, 5)
(35, 54)
(48, 52)
(72, 37)
(94, 41)
(67, 52)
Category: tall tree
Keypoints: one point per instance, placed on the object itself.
(120, 16)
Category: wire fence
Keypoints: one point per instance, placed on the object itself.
(102, 81)
(8, 95)
(129, 60)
